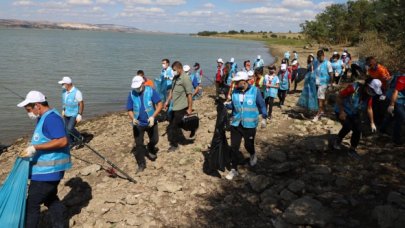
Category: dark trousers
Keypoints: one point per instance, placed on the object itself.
(351, 123)
(44, 192)
(281, 96)
(140, 150)
(269, 103)
(70, 123)
(399, 118)
(174, 132)
(248, 135)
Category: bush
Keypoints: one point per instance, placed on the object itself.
(373, 45)
(232, 32)
(207, 33)
(273, 36)
(265, 36)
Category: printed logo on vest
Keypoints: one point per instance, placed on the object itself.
(250, 102)
(36, 137)
(149, 103)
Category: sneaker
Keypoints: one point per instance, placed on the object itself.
(151, 156)
(172, 149)
(353, 154)
(253, 160)
(316, 118)
(233, 173)
(337, 145)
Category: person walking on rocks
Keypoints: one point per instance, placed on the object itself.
(272, 83)
(181, 97)
(144, 105)
(283, 75)
(247, 103)
(323, 78)
(348, 107)
(49, 159)
(308, 98)
(73, 106)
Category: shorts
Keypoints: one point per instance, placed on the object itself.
(322, 91)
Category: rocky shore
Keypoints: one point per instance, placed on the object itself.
(298, 181)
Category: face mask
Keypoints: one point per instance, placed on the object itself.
(32, 116)
(175, 73)
(63, 87)
(164, 66)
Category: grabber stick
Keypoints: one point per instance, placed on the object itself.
(105, 159)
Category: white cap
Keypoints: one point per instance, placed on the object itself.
(283, 67)
(335, 53)
(32, 97)
(137, 82)
(220, 60)
(186, 68)
(240, 76)
(294, 62)
(259, 57)
(250, 73)
(65, 80)
(375, 84)
(232, 60)
(344, 53)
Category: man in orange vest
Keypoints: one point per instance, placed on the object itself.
(377, 71)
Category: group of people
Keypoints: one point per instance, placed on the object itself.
(248, 93)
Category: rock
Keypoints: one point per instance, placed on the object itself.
(365, 189)
(396, 198)
(133, 221)
(283, 167)
(91, 169)
(315, 144)
(321, 169)
(342, 182)
(277, 155)
(280, 223)
(307, 211)
(259, 182)
(131, 199)
(287, 195)
(388, 216)
(169, 187)
(296, 186)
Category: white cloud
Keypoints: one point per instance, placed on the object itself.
(80, 2)
(195, 13)
(140, 11)
(109, 2)
(323, 5)
(209, 5)
(23, 3)
(266, 10)
(153, 2)
(297, 3)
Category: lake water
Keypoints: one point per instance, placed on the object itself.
(101, 65)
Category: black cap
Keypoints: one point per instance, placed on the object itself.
(196, 64)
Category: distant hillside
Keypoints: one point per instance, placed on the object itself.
(9, 23)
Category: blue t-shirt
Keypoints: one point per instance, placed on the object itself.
(143, 116)
(53, 128)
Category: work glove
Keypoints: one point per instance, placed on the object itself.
(78, 118)
(151, 121)
(373, 128)
(390, 109)
(263, 123)
(28, 152)
(135, 122)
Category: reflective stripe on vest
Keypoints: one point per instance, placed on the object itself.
(70, 104)
(246, 113)
(147, 102)
(48, 161)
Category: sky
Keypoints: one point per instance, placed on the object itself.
(175, 16)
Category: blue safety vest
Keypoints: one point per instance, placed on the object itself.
(232, 71)
(48, 161)
(258, 63)
(198, 74)
(287, 55)
(272, 92)
(245, 113)
(296, 56)
(167, 77)
(147, 102)
(321, 72)
(284, 84)
(70, 104)
(351, 104)
(337, 67)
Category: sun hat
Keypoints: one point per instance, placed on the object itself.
(137, 82)
(32, 97)
(65, 80)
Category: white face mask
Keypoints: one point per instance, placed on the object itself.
(164, 66)
(139, 90)
(175, 73)
(63, 87)
(32, 116)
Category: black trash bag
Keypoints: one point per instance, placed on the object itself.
(218, 157)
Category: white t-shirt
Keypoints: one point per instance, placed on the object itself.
(78, 96)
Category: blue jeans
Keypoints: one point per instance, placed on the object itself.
(70, 123)
(399, 117)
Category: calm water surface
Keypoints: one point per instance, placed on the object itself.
(101, 64)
